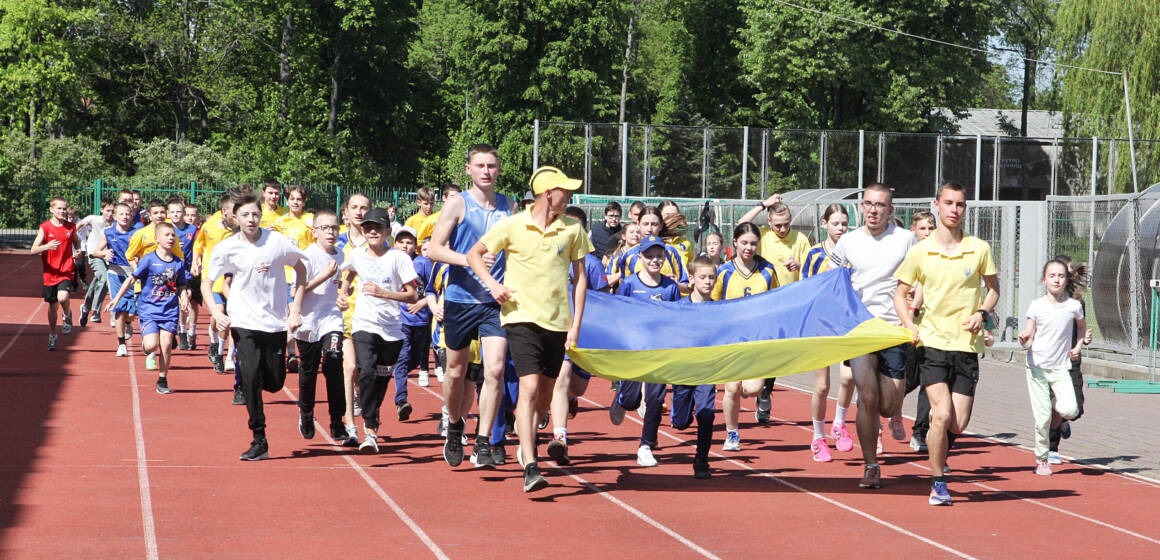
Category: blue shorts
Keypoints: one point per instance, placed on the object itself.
(153, 325)
(128, 303)
(892, 361)
(578, 371)
(219, 299)
(464, 322)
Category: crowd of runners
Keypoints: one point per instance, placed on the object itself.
(494, 289)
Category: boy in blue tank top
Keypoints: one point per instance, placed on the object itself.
(113, 249)
(469, 311)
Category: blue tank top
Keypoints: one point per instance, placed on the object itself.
(463, 285)
(185, 236)
(118, 241)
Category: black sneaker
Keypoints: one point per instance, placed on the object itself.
(239, 397)
(338, 432)
(192, 341)
(701, 468)
(219, 365)
(182, 341)
(84, 316)
(306, 426)
(258, 450)
(96, 317)
(404, 411)
(163, 386)
(558, 451)
(544, 421)
(453, 445)
(764, 405)
(212, 353)
(481, 453)
(498, 454)
(533, 480)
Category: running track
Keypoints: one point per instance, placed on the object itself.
(97, 465)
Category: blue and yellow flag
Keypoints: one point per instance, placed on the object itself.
(800, 327)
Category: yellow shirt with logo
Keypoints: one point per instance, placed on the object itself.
(732, 283)
(952, 290)
(270, 216)
(776, 250)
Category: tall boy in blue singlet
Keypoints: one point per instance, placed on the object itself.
(469, 310)
(113, 249)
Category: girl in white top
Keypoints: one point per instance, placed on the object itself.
(1051, 321)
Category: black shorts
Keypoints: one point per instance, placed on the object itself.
(194, 285)
(536, 350)
(464, 322)
(50, 292)
(959, 370)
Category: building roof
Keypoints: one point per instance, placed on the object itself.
(1040, 124)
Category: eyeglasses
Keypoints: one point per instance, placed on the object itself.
(326, 228)
(874, 205)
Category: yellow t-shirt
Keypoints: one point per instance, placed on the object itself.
(209, 235)
(144, 241)
(299, 230)
(732, 284)
(537, 267)
(776, 250)
(952, 290)
(347, 315)
(426, 227)
(414, 221)
(269, 216)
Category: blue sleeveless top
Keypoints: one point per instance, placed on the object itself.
(118, 242)
(463, 285)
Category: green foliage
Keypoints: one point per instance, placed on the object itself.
(164, 161)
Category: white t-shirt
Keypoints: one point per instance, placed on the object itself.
(874, 259)
(258, 291)
(92, 229)
(320, 313)
(390, 272)
(1054, 323)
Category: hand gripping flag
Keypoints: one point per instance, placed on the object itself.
(799, 327)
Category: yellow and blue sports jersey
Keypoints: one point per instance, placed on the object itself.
(732, 284)
(817, 261)
(630, 263)
(683, 246)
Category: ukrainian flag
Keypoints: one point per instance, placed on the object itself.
(799, 327)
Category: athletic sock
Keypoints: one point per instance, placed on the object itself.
(560, 434)
(213, 336)
(819, 429)
(840, 415)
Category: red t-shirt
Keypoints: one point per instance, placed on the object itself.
(58, 263)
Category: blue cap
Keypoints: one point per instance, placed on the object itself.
(650, 242)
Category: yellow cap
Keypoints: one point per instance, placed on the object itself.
(547, 178)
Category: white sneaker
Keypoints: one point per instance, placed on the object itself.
(1054, 458)
(122, 350)
(644, 457)
(370, 444)
(424, 378)
(439, 374)
(151, 362)
(229, 365)
(732, 441)
(66, 325)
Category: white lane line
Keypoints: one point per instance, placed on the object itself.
(402, 515)
(142, 465)
(1018, 497)
(620, 503)
(20, 331)
(813, 494)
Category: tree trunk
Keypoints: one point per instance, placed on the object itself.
(284, 70)
(335, 94)
(627, 60)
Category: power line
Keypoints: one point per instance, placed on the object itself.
(938, 41)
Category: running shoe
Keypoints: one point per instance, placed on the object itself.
(338, 433)
(544, 421)
(1043, 468)
(212, 353)
(239, 397)
(897, 429)
(764, 405)
(192, 337)
(424, 378)
(453, 444)
(533, 480)
(182, 341)
(558, 451)
(370, 444)
(820, 450)
(351, 439)
(258, 450)
(52, 342)
(481, 453)
(151, 362)
(1065, 429)
(616, 413)
(701, 469)
(644, 456)
(96, 318)
(732, 441)
(404, 411)
(917, 443)
(84, 315)
(1054, 458)
(292, 364)
(871, 477)
(230, 365)
(306, 426)
(163, 386)
(939, 496)
(66, 326)
(439, 374)
(498, 454)
(219, 364)
(845, 442)
(122, 350)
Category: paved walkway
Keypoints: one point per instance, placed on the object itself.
(1116, 430)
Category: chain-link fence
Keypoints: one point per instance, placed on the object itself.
(750, 163)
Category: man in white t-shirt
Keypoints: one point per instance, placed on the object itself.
(91, 230)
(319, 339)
(874, 252)
(259, 313)
(386, 277)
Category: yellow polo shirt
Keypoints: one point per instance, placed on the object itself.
(952, 290)
(538, 262)
(426, 227)
(270, 216)
(144, 241)
(776, 250)
(416, 221)
(209, 235)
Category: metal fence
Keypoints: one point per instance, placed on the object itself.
(25, 206)
(749, 163)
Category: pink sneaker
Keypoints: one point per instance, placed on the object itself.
(821, 450)
(845, 442)
(1042, 468)
(897, 429)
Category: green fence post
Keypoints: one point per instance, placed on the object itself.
(98, 186)
(193, 192)
(43, 201)
(338, 199)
